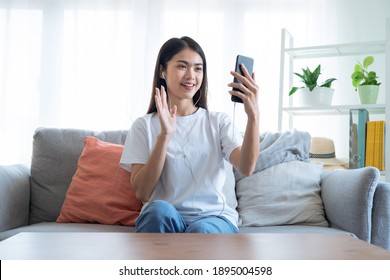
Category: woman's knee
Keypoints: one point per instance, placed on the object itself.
(159, 209)
(211, 225)
(160, 216)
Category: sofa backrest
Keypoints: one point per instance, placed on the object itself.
(53, 164)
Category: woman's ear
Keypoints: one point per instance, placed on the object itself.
(162, 72)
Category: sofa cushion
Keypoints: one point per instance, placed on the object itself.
(53, 164)
(100, 191)
(284, 194)
(299, 229)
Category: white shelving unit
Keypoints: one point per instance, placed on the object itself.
(289, 54)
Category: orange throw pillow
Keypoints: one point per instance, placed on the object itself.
(100, 191)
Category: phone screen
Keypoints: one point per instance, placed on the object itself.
(248, 62)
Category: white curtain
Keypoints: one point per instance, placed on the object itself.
(89, 64)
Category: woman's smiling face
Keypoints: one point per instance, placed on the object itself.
(184, 75)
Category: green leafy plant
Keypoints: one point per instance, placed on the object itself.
(361, 76)
(310, 79)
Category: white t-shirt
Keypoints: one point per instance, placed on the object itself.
(194, 173)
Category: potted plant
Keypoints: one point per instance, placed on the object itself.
(365, 82)
(313, 94)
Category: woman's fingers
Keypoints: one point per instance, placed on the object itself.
(164, 97)
(247, 89)
(157, 98)
(247, 81)
(161, 99)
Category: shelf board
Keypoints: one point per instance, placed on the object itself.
(338, 50)
(333, 110)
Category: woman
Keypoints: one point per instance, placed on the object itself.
(175, 153)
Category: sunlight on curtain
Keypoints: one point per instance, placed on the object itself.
(20, 63)
(96, 69)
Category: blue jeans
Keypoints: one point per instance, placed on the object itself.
(161, 216)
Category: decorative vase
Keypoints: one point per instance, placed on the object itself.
(320, 96)
(368, 94)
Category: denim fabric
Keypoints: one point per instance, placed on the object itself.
(161, 216)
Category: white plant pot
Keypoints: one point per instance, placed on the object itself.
(368, 94)
(320, 96)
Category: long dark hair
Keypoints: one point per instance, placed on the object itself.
(167, 51)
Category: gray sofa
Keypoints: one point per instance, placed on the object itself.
(355, 202)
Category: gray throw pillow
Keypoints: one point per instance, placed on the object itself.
(284, 194)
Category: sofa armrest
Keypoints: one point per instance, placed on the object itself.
(348, 199)
(14, 196)
(381, 216)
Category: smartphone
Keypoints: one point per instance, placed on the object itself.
(248, 62)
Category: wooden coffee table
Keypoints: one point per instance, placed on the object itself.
(155, 246)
